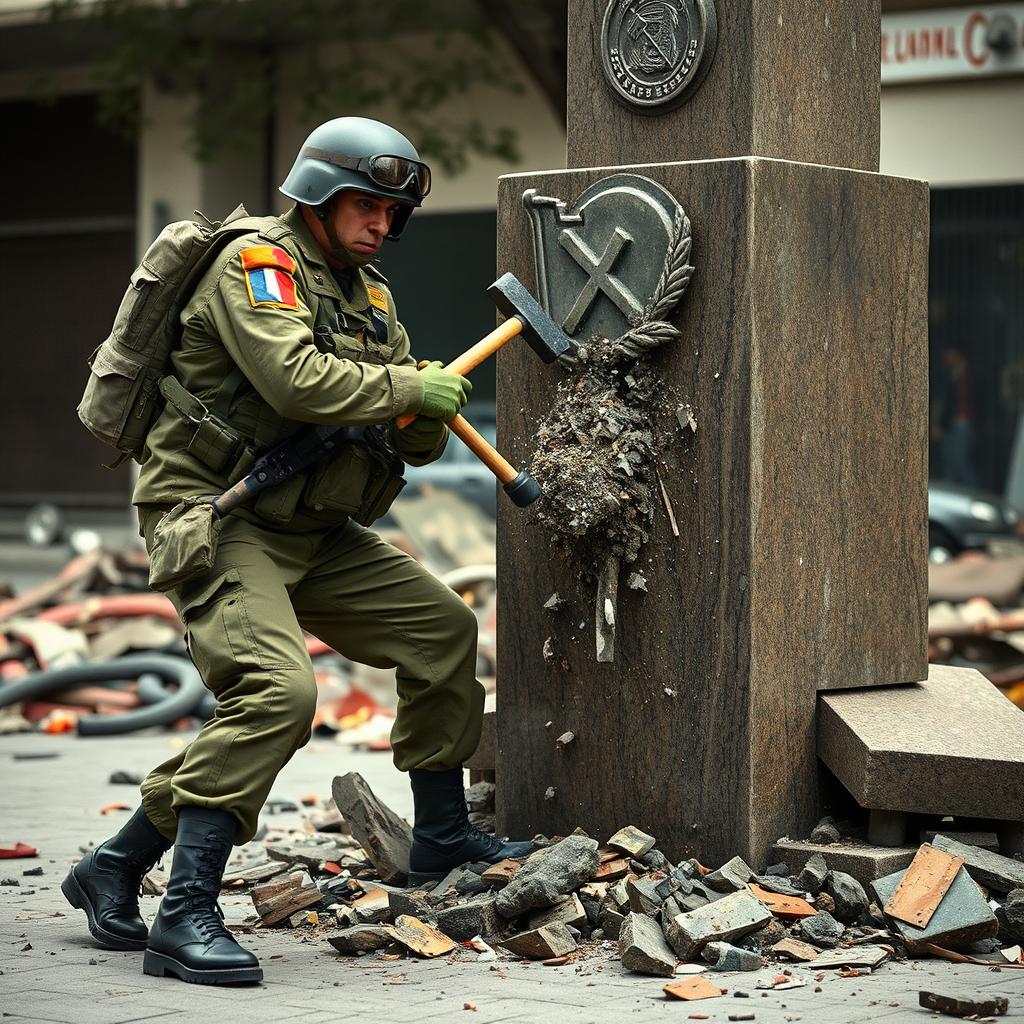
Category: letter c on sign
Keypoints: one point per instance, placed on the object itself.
(976, 58)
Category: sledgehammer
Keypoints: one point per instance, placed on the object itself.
(545, 337)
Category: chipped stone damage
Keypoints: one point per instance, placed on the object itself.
(596, 453)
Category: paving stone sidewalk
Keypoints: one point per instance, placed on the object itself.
(51, 972)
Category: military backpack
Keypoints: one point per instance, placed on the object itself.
(122, 395)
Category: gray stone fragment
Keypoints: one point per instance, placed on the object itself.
(855, 956)
(384, 836)
(462, 880)
(780, 870)
(414, 903)
(655, 860)
(480, 797)
(730, 877)
(962, 917)
(812, 878)
(825, 832)
(679, 880)
(691, 901)
(591, 907)
(729, 918)
(549, 875)
(1011, 918)
(783, 886)
(774, 931)
(632, 840)
(848, 894)
(569, 911)
(360, 939)
(618, 896)
(643, 899)
(984, 840)
(643, 948)
(611, 922)
(992, 870)
(464, 920)
(822, 930)
(724, 957)
(543, 943)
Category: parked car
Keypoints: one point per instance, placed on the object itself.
(962, 518)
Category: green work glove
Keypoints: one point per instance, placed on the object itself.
(422, 435)
(444, 393)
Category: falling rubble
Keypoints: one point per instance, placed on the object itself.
(576, 900)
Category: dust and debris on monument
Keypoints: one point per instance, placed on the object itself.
(598, 449)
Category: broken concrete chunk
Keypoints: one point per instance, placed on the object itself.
(618, 894)
(632, 841)
(728, 918)
(611, 922)
(850, 898)
(419, 938)
(655, 860)
(555, 603)
(782, 886)
(724, 957)
(1011, 918)
(480, 797)
(812, 878)
(855, 956)
(643, 948)
(764, 937)
(636, 581)
(570, 912)
(416, 904)
(678, 882)
(565, 739)
(360, 939)
(461, 881)
(542, 943)
(730, 877)
(821, 930)
(984, 840)
(643, 897)
(794, 949)
(549, 875)
(384, 836)
(962, 917)
(992, 870)
(959, 1005)
(374, 907)
(825, 832)
(465, 920)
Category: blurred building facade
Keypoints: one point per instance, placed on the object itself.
(79, 205)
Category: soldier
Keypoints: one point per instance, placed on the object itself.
(291, 326)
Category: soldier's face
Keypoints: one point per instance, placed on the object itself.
(361, 221)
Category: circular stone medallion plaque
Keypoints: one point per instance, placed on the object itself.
(656, 52)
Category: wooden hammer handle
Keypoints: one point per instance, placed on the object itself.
(473, 357)
(483, 450)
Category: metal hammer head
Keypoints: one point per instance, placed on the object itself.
(542, 334)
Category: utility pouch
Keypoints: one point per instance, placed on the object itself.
(338, 485)
(184, 544)
(379, 499)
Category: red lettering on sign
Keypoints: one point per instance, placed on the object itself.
(977, 57)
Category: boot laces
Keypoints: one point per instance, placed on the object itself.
(202, 894)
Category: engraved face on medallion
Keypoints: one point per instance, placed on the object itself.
(656, 52)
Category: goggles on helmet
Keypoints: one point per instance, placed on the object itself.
(393, 172)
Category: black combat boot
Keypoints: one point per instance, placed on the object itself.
(107, 881)
(442, 837)
(188, 939)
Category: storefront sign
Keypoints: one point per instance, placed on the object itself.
(956, 42)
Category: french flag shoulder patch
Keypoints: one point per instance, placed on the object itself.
(268, 277)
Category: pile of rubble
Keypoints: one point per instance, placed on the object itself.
(575, 899)
(976, 618)
(63, 642)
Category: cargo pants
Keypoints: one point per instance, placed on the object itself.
(362, 596)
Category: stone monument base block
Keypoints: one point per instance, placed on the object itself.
(951, 745)
(800, 502)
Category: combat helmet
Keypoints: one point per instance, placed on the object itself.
(359, 153)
